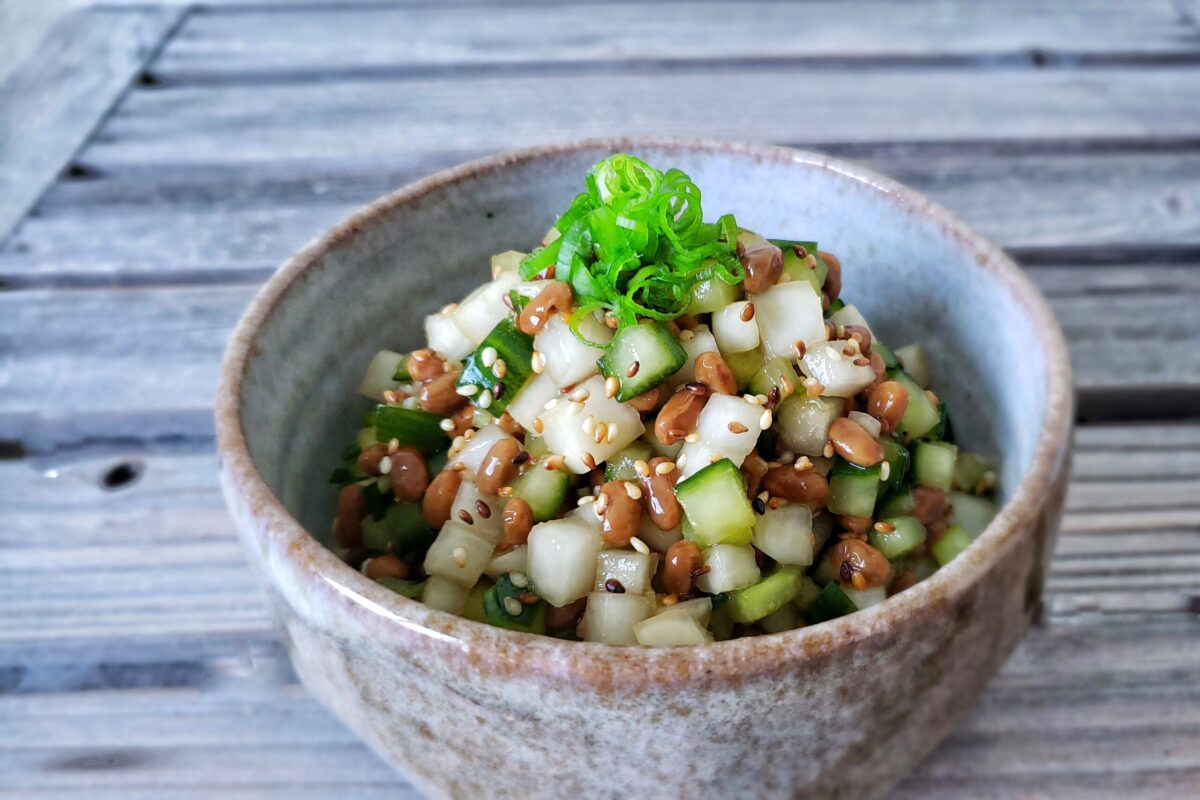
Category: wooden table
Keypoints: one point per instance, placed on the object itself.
(157, 162)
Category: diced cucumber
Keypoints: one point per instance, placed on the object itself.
(921, 416)
(671, 628)
(387, 370)
(715, 502)
(641, 357)
(802, 422)
(865, 598)
(838, 373)
(835, 306)
(907, 535)
(497, 385)
(436, 462)
(611, 618)
(971, 512)
(712, 295)
(831, 603)
(514, 560)
(941, 431)
(915, 362)
(822, 529)
(808, 267)
(508, 261)
(444, 594)
(535, 445)
(889, 358)
(788, 313)
(377, 501)
(544, 489)
(698, 608)
(562, 559)
(735, 329)
(784, 618)
(767, 596)
(848, 315)
(402, 530)
(720, 625)
(459, 553)
(785, 534)
(970, 469)
(898, 458)
(496, 602)
(474, 608)
(730, 567)
(631, 569)
(777, 373)
(670, 451)
(365, 438)
(744, 365)
(899, 503)
(809, 590)
(410, 589)
(655, 538)
(933, 464)
(570, 360)
(853, 489)
(950, 544)
(409, 426)
(620, 467)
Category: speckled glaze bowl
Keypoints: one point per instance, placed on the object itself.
(465, 710)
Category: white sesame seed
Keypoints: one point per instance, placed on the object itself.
(640, 546)
(601, 503)
(393, 444)
(692, 438)
(679, 462)
(833, 353)
(485, 399)
(736, 427)
(885, 471)
(448, 309)
(765, 420)
(589, 424)
(500, 369)
(687, 336)
(537, 362)
(764, 496)
(410, 403)
(641, 467)
(513, 606)
(385, 465)
(803, 464)
(538, 425)
(550, 404)
(468, 390)
(601, 432)
(488, 356)
(612, 433)
(447, 424)
(633, 491)
(828, 450)
(518, 579)
(579, 395)
(587, 498)
(664, 468)
(749, 398)
(611, 386)
(714, 457)
(575, 408)
(469, 434)
(459, 554)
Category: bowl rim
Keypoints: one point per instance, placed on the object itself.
(503, 652)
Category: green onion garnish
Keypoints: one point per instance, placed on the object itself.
(635, 243)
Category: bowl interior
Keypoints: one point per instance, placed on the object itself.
(913, 277)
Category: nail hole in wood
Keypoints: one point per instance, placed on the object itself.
(78, 172)
(147, 79)
(1039, 58)
(121, 476)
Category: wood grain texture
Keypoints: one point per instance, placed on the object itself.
(142, 362)
(52, 103)
(273, 42)
(151, 224)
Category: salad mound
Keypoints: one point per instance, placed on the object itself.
(655, 430)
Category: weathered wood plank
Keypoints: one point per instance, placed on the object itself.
(271, 43)
(172, 224)
(50, 105)
(142, 362)
(157, 562)
(224, 125)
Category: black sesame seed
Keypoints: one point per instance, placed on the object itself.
(614, 586)
(759, 506)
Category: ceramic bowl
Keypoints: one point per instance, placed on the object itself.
(842, 709)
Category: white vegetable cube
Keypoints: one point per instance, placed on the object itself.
(508, 261)
(477, 447)
(610, 618)
(670, 629)
(484, 308)
(378, 377)
(735, 329)
(694, 457)
(728, 427)
(730, 567)
(633, 570)
(698, 608)
(699, 341)
(913, 359)
(562, 559)
(445, 337)
(803, 423)
(781, 619)
(569, 433)
(569, 360)
(850, 315)
(656, 539)
(786, 534)
(444, 594)
(971, 512)
(468, 504)
(531, 400)
(514, 560)
(588, 515)
(788, 313)
(836, 371)
(459, 553)
(867, 423)
(866, 597)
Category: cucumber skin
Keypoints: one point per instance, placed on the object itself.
(831, 603)
(532, 618)
(535, 490)
(726, 473)
(412, 427)
(650, 335)
(767, 596)
(512, 345)
(848, 489)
